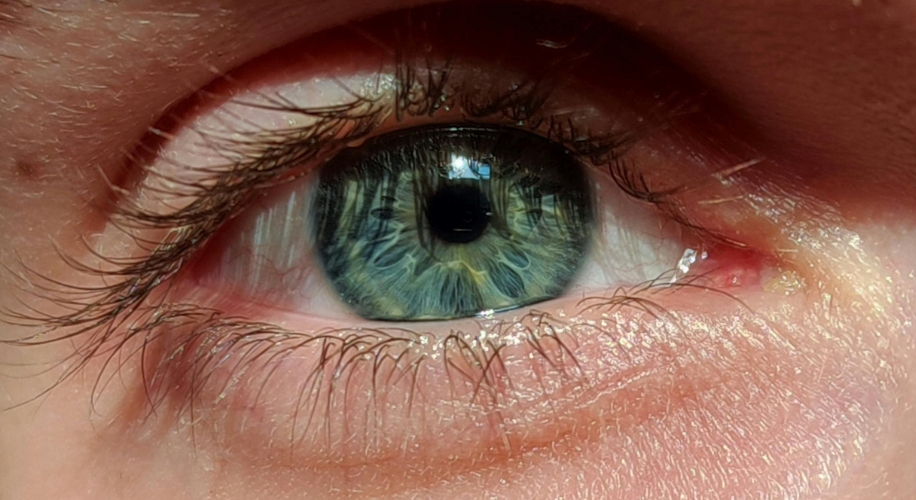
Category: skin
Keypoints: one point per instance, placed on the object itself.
(822, 87)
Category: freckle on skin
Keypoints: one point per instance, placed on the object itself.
(27, 170)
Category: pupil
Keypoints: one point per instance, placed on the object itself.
(458, 213)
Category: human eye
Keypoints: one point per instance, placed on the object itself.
(453, 238)
(438, 228)
(455, 196)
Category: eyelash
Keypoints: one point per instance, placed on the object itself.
(133, 305)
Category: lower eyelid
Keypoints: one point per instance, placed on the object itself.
(312, 392)
(360, 396)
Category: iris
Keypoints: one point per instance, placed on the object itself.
(442, 222)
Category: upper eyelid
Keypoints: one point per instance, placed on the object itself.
(362, 115)
(225, 194)
(183, 231)
(703, 37)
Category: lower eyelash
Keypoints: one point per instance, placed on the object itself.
(216, 353)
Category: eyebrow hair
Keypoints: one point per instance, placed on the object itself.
(16, 17)
(13, 19)
(12, 12)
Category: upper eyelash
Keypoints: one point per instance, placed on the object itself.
(270, 157)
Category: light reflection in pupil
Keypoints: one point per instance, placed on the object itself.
(444, 222)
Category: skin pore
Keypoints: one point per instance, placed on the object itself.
(808, 397)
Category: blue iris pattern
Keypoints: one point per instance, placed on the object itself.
(444, 222)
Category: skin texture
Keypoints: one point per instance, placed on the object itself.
(809, 399)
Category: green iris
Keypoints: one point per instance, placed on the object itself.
(445, 222)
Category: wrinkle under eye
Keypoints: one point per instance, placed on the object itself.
(444, 222)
